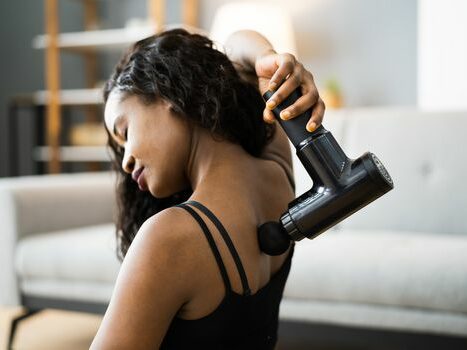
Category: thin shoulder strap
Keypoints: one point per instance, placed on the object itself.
(214, 249)
(228, 241)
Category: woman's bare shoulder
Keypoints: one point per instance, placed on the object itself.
(170, 228)
(168, 234)
(158, 272)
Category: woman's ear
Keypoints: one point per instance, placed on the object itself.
(173, 108)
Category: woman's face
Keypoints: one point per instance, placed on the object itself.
(154, 138)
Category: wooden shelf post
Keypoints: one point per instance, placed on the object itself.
(156, 13)
(91, 22)
(52, 68)
(190, 12)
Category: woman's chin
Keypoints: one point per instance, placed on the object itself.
(153, 192)
(157, 192)
(162, 192)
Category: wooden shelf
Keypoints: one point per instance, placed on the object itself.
(72, 97)
(112, 39)
(87, 43)
(74, 154)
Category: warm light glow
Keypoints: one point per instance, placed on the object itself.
(269, 19)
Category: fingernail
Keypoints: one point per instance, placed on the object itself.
(272, 86)
(285, 115)
(311, 126)
(271, 104)
(266, 118)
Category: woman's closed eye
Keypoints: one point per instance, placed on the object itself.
(124, 133)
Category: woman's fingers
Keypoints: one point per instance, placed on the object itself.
(316, 119)
(293, 80)
(286, 65)
(298, 77)
(308, 99)
(316, 116)
(287, 76)
(268, 116)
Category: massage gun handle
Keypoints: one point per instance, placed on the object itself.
(295, 128)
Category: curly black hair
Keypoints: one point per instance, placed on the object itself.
(202, 85)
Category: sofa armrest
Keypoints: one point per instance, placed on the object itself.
(35, 204)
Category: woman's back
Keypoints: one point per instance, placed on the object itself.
(228, 308)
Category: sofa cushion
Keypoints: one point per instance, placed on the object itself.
(76, 264)
(424, 153)
(404, 269)
(374, 316)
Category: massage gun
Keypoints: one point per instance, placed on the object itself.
(341, 186)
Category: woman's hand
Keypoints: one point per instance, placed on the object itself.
(284, 72)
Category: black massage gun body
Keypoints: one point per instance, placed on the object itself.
(341, 186)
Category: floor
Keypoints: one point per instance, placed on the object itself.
(58, 330)
(50, 329)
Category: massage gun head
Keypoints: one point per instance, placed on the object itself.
(335, 197)
(272, 238)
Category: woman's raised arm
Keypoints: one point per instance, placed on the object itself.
(256, 59)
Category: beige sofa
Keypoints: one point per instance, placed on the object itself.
(398, 265)
(58, 244)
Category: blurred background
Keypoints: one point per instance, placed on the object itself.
(368, 51)
(392, 74)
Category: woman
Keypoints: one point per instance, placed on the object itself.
(200, 171)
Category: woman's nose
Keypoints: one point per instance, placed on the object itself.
(128, 162)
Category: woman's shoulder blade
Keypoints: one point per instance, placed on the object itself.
(170, 227)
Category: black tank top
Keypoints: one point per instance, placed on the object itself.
(241, 321)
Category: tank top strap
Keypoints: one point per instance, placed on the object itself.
(228, 242)
(212, 244)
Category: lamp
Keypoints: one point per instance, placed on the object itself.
(271, 20)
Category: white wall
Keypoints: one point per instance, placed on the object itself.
(442, 54)
(369, 46)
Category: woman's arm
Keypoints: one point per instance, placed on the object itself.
(243, 48)
(257, 61)
(152, 285)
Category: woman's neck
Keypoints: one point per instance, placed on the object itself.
(215, 163)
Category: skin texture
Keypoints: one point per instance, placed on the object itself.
(169, 269)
